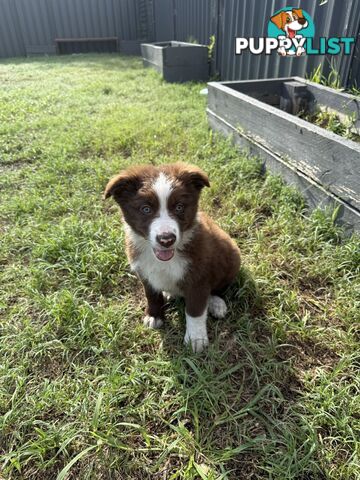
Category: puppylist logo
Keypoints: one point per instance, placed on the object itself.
(291, 33)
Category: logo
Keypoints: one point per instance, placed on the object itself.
(291, 33)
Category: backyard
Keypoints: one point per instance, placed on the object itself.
(86, 390)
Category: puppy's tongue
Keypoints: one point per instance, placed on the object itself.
(164, 255)
(291, 33)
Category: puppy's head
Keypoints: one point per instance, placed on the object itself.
(290, 21)
(159, 203)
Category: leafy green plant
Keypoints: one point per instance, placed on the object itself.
(333, 79)
(211, 46)
(331, 121)
(191, 39)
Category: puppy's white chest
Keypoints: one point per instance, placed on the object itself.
(162, 276)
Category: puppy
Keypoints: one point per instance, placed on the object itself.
(172, 247)
(290, 22)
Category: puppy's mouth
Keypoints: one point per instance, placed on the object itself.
(291, 33)
(164, 254)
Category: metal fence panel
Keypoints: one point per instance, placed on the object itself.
(11, 40)
(241, 18)
(193, 20)
(35, 20)
(83, 18)
(164, 16)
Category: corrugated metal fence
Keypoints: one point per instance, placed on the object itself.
(30, 27)
(336, 18)
(227, 19)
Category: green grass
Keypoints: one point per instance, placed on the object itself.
(86, 391)
(331, 121)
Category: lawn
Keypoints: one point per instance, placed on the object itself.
(87, 392)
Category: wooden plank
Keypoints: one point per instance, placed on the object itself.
(326, 158)
(155, 66)
(315, 195)
(340, 102)
(270, 86)
(186, 56)
(344, 104)
(177, 61)
(87, 39)
(195, 73)
(152, 56)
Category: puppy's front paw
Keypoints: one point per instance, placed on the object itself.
(167, 296)
(197, 344)
(152, 322)
(217, 307)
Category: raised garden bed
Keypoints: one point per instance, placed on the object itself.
(264, 116)
(177, 61)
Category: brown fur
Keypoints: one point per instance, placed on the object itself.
(214, 258)
(215, 262)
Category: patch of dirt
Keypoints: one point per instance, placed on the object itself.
(308, 354)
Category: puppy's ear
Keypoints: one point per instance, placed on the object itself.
(122, 185)
(298, 12)
(194, 176)
(279, 20)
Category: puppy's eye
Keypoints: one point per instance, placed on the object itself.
(179, 208)
(146, 209)
(288, 19)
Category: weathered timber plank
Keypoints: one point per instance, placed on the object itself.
(314, 194)
(326, 158)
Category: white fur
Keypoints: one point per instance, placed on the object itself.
(161, 275)
(167, 296)
(152, 322)
(217, 307)
(163, 223)
(196, 332)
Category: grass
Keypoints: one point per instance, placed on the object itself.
(88, 392)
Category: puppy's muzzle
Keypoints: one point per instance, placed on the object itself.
(166, 239)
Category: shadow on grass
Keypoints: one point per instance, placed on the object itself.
(240, 414)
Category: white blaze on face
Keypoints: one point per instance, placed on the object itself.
(163, 223)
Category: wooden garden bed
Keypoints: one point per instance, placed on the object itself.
(261, 115)
(177, 61)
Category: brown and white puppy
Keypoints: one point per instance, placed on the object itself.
(172, 247)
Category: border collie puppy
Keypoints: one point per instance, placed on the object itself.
(174, 249)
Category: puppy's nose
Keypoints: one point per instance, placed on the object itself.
(166, 239)
(302, 20)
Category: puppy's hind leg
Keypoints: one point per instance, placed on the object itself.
(154, 314)
(217, 307)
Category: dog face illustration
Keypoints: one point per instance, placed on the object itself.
(290, 22)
